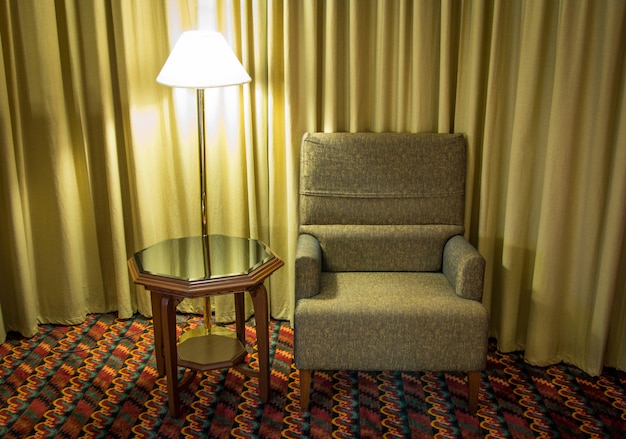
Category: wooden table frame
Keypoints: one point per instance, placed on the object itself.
(166, 294)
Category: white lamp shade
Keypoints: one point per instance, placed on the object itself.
(202, 59)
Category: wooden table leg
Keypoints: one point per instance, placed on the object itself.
(259, 298)
(240, 317)
(157, 329)
(170, 354)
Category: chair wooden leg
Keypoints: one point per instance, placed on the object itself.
(473, 384)
(305, 388)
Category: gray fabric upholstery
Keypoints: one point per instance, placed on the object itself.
(384, 277)
(308, 267)
(389, 321)
(395, 178)
(464, 267)
(382, 248)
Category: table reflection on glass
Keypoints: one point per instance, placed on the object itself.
(201, 267)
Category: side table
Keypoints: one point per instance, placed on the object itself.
(200, 267)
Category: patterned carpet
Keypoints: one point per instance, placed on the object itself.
(99, 380)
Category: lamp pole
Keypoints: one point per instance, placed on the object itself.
(202, 158)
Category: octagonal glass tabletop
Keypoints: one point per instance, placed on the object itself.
(198, 258)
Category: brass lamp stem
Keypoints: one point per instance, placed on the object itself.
(203, 203)
(202, 160)
(202, 151)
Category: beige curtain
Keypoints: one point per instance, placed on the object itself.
(98, 160)
(538, 89)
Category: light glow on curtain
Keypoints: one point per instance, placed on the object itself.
(109, 157)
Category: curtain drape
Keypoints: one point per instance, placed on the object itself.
(99, 161)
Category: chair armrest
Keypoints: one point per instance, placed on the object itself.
(464, 267)
(308, 266)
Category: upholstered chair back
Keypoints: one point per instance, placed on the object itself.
(365, 209)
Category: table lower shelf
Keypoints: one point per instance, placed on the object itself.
(211, 351)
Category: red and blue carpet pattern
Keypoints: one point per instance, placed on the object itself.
(99, 380)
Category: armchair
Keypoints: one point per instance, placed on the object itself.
(384, 279)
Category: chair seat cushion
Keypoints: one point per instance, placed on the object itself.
(415, 321)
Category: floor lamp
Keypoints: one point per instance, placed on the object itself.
(201, 60)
